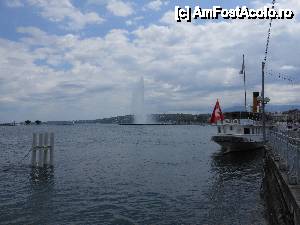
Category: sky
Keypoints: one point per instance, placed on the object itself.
(81, 59)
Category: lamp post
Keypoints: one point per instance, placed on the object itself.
(263, 101)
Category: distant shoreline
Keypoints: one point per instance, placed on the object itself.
(152, 124)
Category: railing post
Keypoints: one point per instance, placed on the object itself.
(279, 146)
(297, 162)
(282, 148)
(287, 152)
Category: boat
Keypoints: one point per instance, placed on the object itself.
(239, 135)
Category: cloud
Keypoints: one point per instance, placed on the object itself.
(14, 3)
(119, 8)
(134, 21)
(88, 80)
(186, 68)
(63, 11)
(156, 4)
(288, 67)
(168, 18)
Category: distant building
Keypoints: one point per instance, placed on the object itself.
(279, 117)
(293, 115)
(60, 122)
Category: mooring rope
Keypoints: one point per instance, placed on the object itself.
(26, 155)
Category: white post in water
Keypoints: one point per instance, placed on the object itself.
(41, 151)
(42, 148)
(51, 149)
(45, 149)
(34, 144)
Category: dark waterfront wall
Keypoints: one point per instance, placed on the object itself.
(281, 198)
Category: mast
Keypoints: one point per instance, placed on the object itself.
(245, 83)
(243, 72)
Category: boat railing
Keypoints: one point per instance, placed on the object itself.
(286, 151)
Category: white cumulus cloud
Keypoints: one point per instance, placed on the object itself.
(186, 68)
(156, 4)
(119, 8)
(64, 11)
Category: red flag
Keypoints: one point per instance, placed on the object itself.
(217, 114)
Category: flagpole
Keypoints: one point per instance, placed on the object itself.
(245, 83)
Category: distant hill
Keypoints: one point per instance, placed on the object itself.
(178, 118)
(269, 108)
(281, 108)
(234, 109)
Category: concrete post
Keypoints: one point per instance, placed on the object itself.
(33, 153)
(51, 149)
(41, 151)
(46, 149)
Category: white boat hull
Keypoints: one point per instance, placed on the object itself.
(233, 143)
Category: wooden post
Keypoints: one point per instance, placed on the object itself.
(46, 149)
(33, 154)
(51, 149)
(41, 151)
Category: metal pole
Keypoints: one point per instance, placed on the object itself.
(245, 84)
(263, 102)
(297, 162)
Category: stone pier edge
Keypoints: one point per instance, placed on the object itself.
(282, 199)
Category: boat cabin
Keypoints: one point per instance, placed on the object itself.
(239, 127)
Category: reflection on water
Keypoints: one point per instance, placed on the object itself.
(41, 193)
(129, 175)
(42, 176)
(235, 192)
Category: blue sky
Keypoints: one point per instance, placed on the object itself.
(75, 59)
(21, 14)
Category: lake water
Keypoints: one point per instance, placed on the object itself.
(110, 174)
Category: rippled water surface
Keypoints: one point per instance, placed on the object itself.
(110, 174)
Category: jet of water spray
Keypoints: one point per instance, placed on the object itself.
(138, 103)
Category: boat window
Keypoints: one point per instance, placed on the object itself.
(253, 131)
(230, 127)
(219, 129)
(246, 130)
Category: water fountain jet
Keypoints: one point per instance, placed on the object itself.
(138, 103)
